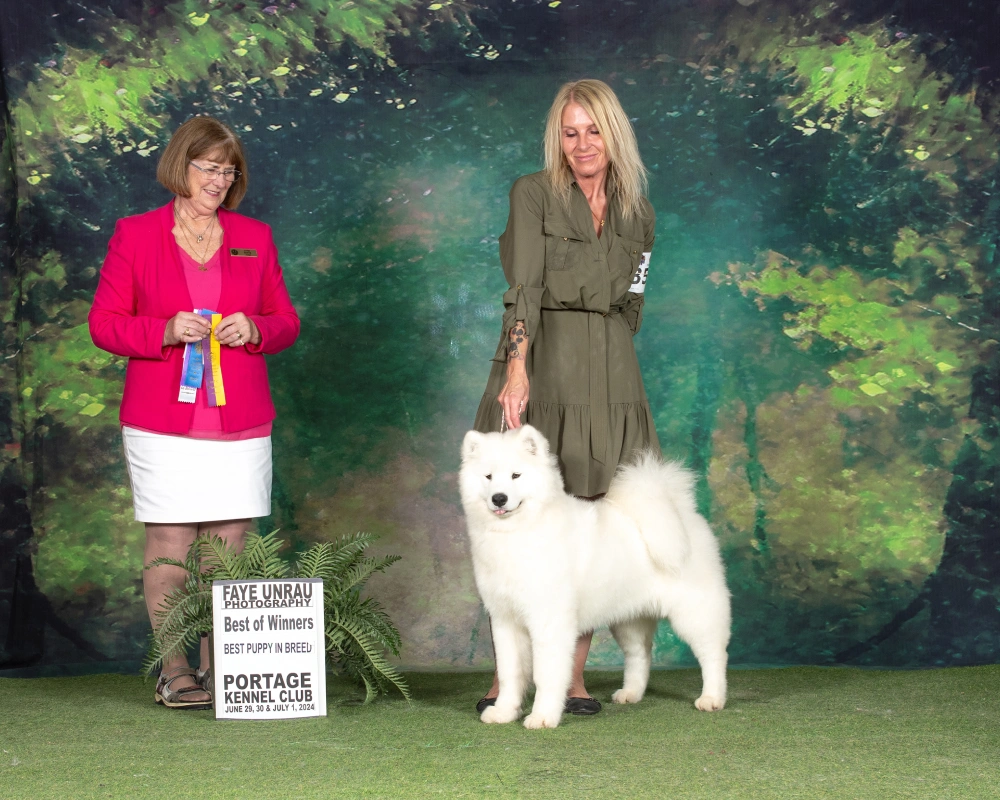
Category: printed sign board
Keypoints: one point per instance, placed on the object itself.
(269, 655)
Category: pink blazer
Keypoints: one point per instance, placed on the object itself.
(142, 286)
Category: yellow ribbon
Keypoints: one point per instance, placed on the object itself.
(216, 362)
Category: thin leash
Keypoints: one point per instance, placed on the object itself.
(503, 418)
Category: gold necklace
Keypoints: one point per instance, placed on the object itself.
(200, 236)
(204, 253)
(599, 221)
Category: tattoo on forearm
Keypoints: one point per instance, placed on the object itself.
(518, 336)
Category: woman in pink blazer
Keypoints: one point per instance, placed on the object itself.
(199, 456)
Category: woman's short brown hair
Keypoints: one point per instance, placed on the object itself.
(201, 137)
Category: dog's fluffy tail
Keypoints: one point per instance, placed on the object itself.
(659, 497)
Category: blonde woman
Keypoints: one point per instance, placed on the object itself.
(575, 253)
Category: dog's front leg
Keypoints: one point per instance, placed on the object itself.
(552, 652)
(512, 652)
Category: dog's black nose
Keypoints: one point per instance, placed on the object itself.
(499, 500)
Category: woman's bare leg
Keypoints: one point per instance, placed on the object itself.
(576, 687)
(233, 532)
(165, 540)
(168, 541)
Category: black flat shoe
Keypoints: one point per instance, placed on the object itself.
(485, 703)
(582, 706)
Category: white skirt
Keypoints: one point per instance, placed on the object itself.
(176, 479)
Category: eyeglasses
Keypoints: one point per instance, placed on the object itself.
(212, 173)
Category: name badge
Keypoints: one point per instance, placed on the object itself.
(639, 279)
(243, 252)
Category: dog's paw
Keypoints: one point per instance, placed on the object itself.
(625, 696)
(537, 720)
(495, 715)
(709, 703)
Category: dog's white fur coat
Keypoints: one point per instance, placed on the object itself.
(550, 566)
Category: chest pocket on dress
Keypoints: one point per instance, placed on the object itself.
(562, 244)
(629, 257)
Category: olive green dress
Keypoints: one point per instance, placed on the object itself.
(572, 289)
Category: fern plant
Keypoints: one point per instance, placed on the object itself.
(357, 632)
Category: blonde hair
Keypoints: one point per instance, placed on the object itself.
(200, 137)
(627, 175)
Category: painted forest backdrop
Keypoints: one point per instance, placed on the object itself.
(820, 342)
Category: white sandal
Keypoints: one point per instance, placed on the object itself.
(174, 698)
(204, 679)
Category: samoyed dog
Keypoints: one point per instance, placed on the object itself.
(550, 566)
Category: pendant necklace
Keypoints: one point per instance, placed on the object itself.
(211, 226)
(599, 221)
(200, 236)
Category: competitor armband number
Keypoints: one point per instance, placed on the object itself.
(639, 278)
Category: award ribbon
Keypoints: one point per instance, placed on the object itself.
(193, 372)
(216, 390)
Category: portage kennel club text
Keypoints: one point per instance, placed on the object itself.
(292, 687)
(285, 595)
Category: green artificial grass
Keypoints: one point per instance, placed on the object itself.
(786, 733)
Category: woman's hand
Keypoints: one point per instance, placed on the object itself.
(184, 328)
(513, 398)
(237, 330)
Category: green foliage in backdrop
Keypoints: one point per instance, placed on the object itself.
(820, 334)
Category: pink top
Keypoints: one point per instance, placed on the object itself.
(205, 287)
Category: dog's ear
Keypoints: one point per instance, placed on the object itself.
(470, 445)
(533, 441)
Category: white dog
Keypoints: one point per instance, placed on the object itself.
(550, 566)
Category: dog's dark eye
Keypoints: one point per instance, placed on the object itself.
(489, 477)
(516, 475)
